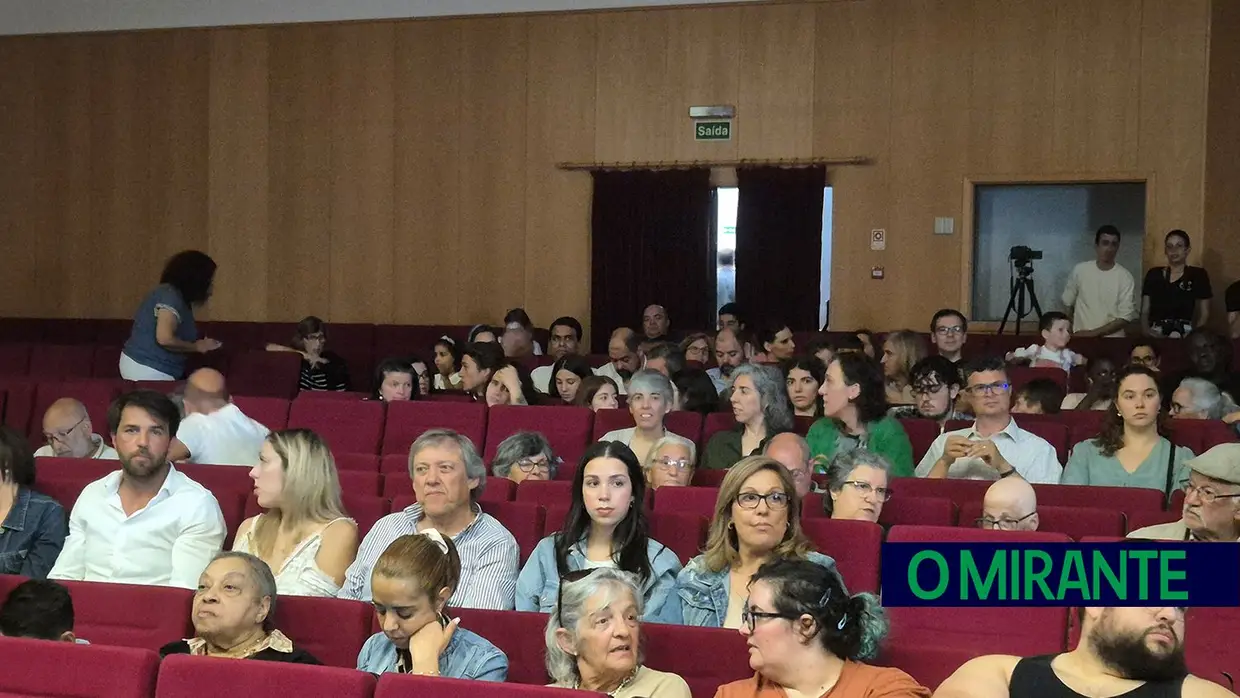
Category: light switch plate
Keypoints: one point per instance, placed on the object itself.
(877, 272)
(944, 226)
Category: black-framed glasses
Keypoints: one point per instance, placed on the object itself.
(1206, 496)
(529, 465)
(865, 489)
(928, 388)
(954, 329)
(569, 578)
(62, 434)
(1001, 524)
(774, 500)
(989, 388)
(750, 617)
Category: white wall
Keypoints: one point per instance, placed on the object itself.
(61, 16)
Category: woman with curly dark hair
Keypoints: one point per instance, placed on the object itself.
(1132, 450)
(163, 328)
(854, 404)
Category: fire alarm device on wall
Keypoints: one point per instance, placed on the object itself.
(876, 272)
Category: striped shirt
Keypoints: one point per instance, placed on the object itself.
(489, 559)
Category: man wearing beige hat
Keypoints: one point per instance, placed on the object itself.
(1211, 502)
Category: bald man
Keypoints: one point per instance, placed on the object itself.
(623, 357)
(1010, 505)
(792, 452)
(69, 433)
(655, 323)
(215, 431)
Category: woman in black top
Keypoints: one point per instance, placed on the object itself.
(321, 370)
(1172, 295)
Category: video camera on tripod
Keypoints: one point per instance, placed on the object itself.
(1022, 258)
(1023, 299)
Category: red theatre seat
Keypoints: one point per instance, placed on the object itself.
(342, 395)
(1209, 655)
(1126, 499)
(96, 395)
(80, 471)
(105, 362)
(38, 668)
(1076, 522)
(699, 501)
(15, 359)
(405, 685)
(685, 534)
(347, 427)
(19, 402)
(918, 511)
(1019, 376)
(1189, 433)
(219, 478)
(959, 491)
(271, 412)
(61, 361)
(182, 676)
(921, 433)
(1055, 434)
(931, 665)
(64, 492)
(130, 615)
(361, 462)
(708, 477)
(545, 492)
(524, 520)
(519, 635)
(715, 423)
(681, 649)
(359, 482)
(406, 421)
(855, 546)
(7, 582)
(567, 429)
(686, 424)
(331, 629)
(365, 510)
(265, 373)
(611, 420)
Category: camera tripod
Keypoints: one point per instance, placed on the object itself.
(1022, 300)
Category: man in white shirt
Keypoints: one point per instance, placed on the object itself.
(215, 431)
(565, 341)
(624, 359)
(994, 447)
(729, 354)
(146, 523)
(1099, 294)
(69, 433)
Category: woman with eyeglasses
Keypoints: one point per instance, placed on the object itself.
(808, 637)
(1100, 388)
(854, 405)
(858, 486)
(1132, 450)
(321, 370)
(593, 638)
(606, 527)
(760, 406)
(411, 584)
(526, 455)
(670, 464)
(757, 519)
(698, 348)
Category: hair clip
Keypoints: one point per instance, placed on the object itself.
(843, 620)
(826, 596)
(437, 538)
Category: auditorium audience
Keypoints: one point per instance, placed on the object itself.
(1053, 352)
(670, 463)
(935, 382)
(730, 317)
(849, 344)
(1100, 388)
(994, 446)
(69, 433)
(606, 526)
(594, 639)
(510, 385)
(821, 347)
(518, 338)
(1175, 299)
(483, 334)
(215, 430)
(525, 455)
(1211, 500)
(39, 609)
(1010, 504)
(774, 343)
(902, 349)
(565, 341)
(320, 369)
(1099, 294)
(1210, 357)
(163, 328)
(234, 614)
(448, 357)
(423, 381)
(854, 404)
(623, 358)
(565, 377)
(729, 354)
(1039, 396)
(808, 637)
(697, 348)
(655, 324)
(760, 406)
(303, 533)
(1123, 651)
(791, 450)
(650, 399)
(866, 337)
(666, 358)
(479, 365)
(32, 525)
(695, 392)
(803, 376)
(858, 486)
(757, 518)
(394, 380)
(413, 581)
(949, 330)
(448, 476)
(180, 526)
(1198, 398)
(598, 393)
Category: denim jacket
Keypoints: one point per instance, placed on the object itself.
(704, 594)
(538, 586)
(32, 535)
(468, 656)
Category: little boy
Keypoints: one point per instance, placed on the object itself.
(1056, 333)
(1038, 396)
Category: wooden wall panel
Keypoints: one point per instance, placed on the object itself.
(84, 240)
(1222, 206)
(632, 119)
(776, 116)
(703, 68)
(22, 108)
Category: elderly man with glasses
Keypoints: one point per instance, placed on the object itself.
(994, 447)
(1010, 505)
(1211, 500)
(69, 433)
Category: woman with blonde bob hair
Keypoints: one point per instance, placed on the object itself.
(303, 534)
(901, 349)
(757, 519)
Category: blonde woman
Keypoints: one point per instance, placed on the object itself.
(757, 519)
(901, 349)
(303, 533)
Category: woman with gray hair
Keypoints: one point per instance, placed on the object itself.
(858, 486)
(594, 638)
(760, 405)
(1198, 398)
(233, 614)
(651, 396)
(525, 455)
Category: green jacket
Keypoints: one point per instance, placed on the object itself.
(885, 437)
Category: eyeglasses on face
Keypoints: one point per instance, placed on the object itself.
(529, 465)
(673, 464)
(774, 500)
(750, 617)
(928, 388)
(801, 474)
(1205, 495)
(1002, 523)
(989, 388)
(63, 434)
(945, 331)
(865, 489)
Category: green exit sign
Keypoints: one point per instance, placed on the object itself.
(712, 131)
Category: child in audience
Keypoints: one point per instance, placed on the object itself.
(1054, 353)
(1039, 396)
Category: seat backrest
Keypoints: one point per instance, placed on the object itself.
(366, 510)
(524, 520)
(347, 427)
(407, 420)
(921, 433)
(545, 492)
(271, 412)
(405, 685)
(960, 534)
(15, 359)
(519, 635)
(341, 395)
(7, 582)
(708, 477)
(105, 363)
(567, 429)
(686, 424)
(360, 482)
(855, 545)
(1076, 522)
(1126, 499)
(361, 462)
(81, 471)
(699, 501)
(1152, 517)
(265, 373)
(715, 423)
(611, 420)
(1019, 376)
(1054, 433)
(61, 361)
(1189, 433)
(682, 650)
(918, 511)
(955, 489)
(218, 477)
(684, 533)
(130, 615)
(1208, 654)
(38, 668)
(19, 403)
(182, 676)
(929, 664)
(333, 630)
(95, 395)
